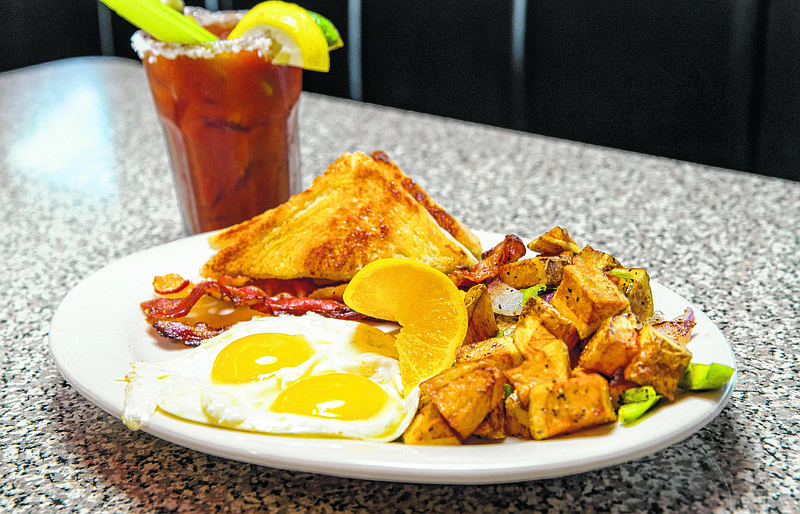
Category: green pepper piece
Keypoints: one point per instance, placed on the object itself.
(531, 291)
(507, 390)
(632, 412)
(638, 394)
(705, 376)
(621, 273)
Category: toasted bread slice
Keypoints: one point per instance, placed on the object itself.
(358, 211)
(457, 229)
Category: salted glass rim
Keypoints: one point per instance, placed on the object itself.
(148, 48)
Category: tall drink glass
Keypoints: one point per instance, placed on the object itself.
(230, 121)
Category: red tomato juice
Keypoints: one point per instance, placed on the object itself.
(230, 120)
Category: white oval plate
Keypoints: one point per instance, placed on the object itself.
(99, 329)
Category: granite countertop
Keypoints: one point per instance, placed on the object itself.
(85, 181)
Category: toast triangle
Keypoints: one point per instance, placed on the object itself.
(358, 211)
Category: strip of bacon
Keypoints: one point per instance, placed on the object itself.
(510, 250)
(255, 298)
(298, 306)
(188, 333)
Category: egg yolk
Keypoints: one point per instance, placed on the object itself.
(249, 358)
(333, 395)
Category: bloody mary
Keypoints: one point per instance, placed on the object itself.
(230, 120)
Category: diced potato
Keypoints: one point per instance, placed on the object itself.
(588, 256)
(551, 363)
(554, 242)
(531, 336)
(493, 427)
(451, 374)
(430, 427)
(506, 325)
(569, 405)
(530, 272)
(500, 350)
(552, 320)
(660, 362)
(482, 325)
(465, 399)
(635, 285)
(517, 420)
(587, 297)
(612, 346)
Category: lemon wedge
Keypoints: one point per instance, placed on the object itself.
(301, 41)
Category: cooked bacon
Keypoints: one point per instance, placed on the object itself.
(187, 333)
(298, 306)
(510, 250)
(251, 296)
(299, 287)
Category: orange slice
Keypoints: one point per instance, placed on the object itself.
(428, 306)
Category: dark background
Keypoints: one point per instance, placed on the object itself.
(712, 82)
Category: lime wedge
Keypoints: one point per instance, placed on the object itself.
(331, 34)
(301, 41)
(161, 21)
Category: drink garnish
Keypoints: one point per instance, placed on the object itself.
(303, 42)
(161, 21)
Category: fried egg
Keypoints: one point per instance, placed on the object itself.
(305, 375)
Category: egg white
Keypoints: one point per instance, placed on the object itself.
(183, 386)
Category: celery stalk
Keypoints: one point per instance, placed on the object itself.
(161, 21)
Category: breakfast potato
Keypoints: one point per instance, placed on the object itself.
(547, 364)
(493, 427)
(587, 297)
(612, 346)
(518, 422)
(482, 324)
(506, 325)
(568, 405)
(531, 336)
(453, 373)
(660, 362)
(554, 242)
(500, 350)
(551, 319)
(430, 427)
(530, 272)
(635, 285)
(588, 256)
(466, 393)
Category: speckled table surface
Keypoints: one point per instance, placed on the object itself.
(85, 181)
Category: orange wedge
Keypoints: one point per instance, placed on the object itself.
(428, 306)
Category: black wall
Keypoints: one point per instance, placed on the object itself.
(709, 82)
